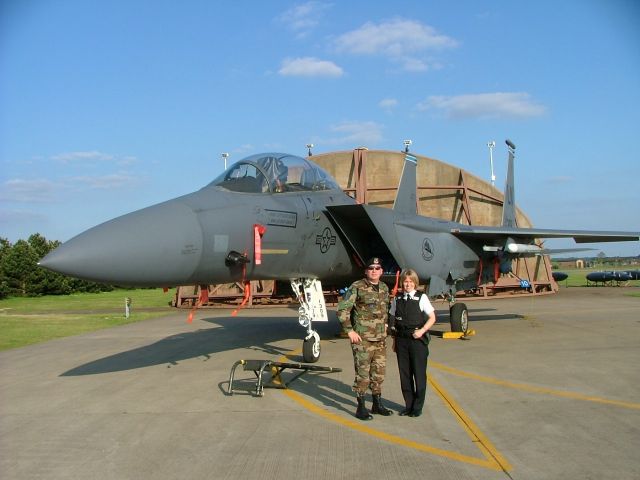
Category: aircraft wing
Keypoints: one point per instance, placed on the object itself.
(579, 236)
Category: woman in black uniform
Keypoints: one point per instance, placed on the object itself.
(411, 317)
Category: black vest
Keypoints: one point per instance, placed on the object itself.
(408, 314)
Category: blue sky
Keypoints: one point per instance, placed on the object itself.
(108, 107)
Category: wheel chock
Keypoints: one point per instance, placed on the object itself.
(458, 335)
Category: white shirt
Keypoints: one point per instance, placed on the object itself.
(424, 304)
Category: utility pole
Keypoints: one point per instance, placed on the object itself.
(491, 146)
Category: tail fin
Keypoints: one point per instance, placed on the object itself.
(406, 196)
(509, 206)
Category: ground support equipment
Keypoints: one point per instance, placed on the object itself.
(275, 369)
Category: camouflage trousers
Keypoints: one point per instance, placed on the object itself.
(370, 363)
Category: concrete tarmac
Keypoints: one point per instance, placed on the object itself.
(548, 388)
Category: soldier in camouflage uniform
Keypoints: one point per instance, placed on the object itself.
(363, 312)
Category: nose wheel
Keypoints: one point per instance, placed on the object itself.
(311, 348)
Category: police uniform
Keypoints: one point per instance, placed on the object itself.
(364, 309)
(406, 315)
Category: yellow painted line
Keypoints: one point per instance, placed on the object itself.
(493, 460)
(481, 440)
(360, 427)
(534, 389)
(274, 251)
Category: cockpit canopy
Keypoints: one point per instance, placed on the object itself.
(275, 173)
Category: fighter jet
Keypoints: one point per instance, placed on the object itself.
(275, 216)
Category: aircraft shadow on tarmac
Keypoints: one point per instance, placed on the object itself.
(475, 315)
(231, 333)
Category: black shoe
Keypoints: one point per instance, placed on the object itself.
(378, 408)
(362, 413)
(415, 413)
(405, 412)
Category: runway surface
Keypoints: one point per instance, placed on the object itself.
(547, 388)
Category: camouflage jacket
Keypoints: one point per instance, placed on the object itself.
(365, 310)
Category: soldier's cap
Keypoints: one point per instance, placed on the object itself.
(374, 261)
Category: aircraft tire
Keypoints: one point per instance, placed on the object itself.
(311, 350)
(459, 318)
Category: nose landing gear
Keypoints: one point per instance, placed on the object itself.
(308, 291)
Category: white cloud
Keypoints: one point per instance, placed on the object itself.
(388, 103)
(309, 67)
(558, 180)
(357, 133)
(111, 181)
(485, 105)
(27, 191)
(415, 65)
(303, 17)
(82, 157)
(11, 217)
(242, 149)
(398, 39)
(46, 191)
(127, 160)
(92, 157)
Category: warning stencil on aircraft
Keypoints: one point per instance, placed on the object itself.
(282, 218)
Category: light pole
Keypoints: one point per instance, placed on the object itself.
(491, 146)
(225, 155)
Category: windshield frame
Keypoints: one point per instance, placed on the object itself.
(275, 173)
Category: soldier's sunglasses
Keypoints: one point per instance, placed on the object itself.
(374, 268)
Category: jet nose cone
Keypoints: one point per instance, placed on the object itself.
(156, 246)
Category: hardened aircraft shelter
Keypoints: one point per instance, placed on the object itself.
(445, 191)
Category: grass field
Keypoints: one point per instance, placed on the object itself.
(24, 321)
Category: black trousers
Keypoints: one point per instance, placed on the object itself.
(412, 357)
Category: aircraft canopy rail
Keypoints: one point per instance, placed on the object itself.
(275, 369)
(275, 173)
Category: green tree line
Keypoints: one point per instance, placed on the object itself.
(20, 274)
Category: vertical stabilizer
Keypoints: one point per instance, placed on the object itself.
(509, 207)
(406, 196)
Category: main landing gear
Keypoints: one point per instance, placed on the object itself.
(458, 317)
(312, 308)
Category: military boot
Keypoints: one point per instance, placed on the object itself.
(362, 413)
(378, 407)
